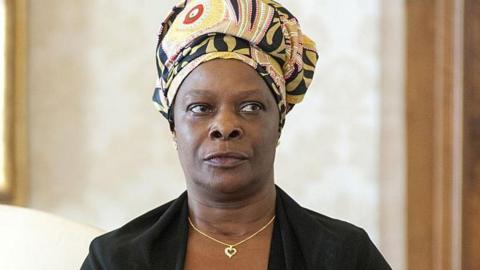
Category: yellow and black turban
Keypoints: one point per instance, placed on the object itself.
(260, 33)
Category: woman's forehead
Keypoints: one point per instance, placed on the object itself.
(238, 92)
(225, 76)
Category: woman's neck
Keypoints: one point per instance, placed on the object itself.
(232, 219)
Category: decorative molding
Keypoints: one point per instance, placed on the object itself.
(392, 161)
(15, 145)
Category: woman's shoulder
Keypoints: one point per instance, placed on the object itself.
(327, 241)
(351, 244)
(342, 234)
(135, 238)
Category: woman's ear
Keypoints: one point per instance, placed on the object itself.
(174, 140)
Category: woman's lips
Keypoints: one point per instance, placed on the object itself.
(226, 159)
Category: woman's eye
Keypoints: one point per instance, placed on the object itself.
(251, 107)
(199, 108)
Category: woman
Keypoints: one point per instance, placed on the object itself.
(229, 71)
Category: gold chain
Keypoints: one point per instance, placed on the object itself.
(230, 250)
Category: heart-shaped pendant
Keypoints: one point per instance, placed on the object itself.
(230, 251)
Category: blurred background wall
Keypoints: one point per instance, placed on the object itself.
(100, 153)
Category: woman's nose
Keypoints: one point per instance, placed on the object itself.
(226, 127)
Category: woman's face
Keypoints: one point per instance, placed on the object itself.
(226, 127)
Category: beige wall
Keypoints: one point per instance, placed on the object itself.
(101, 154)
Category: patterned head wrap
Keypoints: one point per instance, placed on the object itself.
(260, 33)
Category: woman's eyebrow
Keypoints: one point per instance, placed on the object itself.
(198, 93)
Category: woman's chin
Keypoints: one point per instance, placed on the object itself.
(227, 185)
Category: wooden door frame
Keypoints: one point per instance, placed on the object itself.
(471, 138)
(443, 131)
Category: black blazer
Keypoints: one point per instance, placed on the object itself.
(302, 240)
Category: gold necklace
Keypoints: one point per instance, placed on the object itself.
(230, 249)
